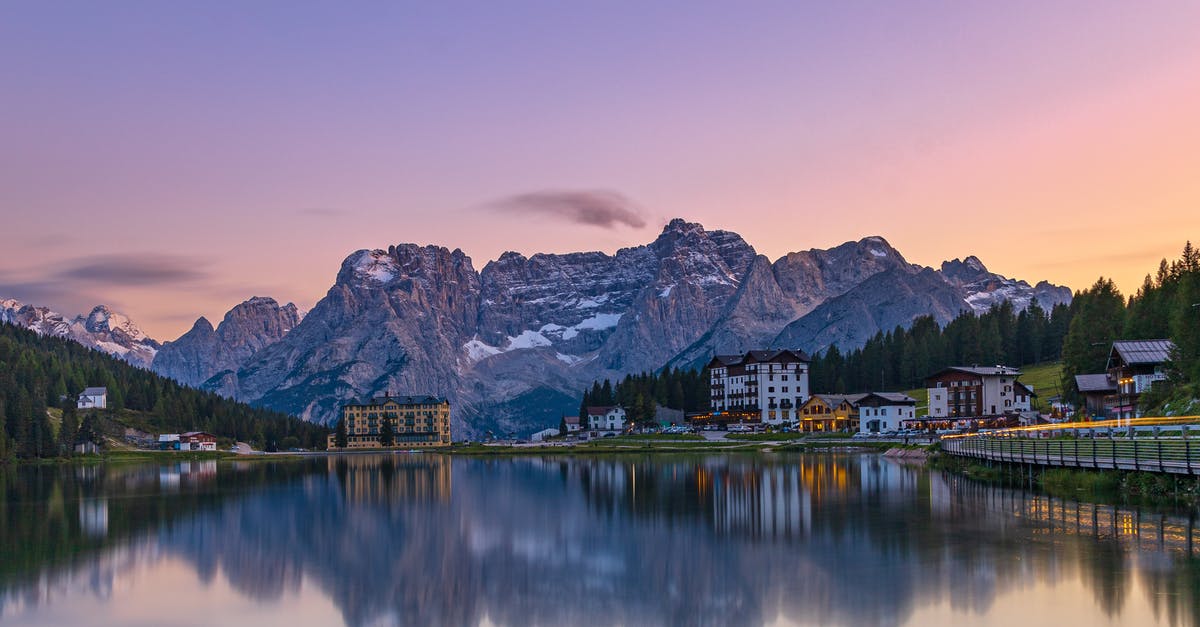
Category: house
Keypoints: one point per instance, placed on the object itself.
(572, 423)
(87, 448)
(93, 398)
(605, 418)
(168, 441)
(829, 412)
(1135, 365)
(977, 392)
(197, 441)
(667, 417)
(1099, 393)
(414, 421)
(884, 411)
(766, 386)
(543, 434)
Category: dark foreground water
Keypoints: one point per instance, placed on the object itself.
(688, 540)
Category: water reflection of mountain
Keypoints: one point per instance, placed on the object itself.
(424, 539)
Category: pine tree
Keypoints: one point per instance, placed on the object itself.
(387, 436)
(341, 439)
(69, 429)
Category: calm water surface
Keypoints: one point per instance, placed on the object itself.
(689, 540)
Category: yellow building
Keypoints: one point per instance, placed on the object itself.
(830, 412)
(414, 420)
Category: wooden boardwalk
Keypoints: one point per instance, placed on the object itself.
(1175, 455)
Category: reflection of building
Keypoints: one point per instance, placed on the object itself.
(376, 479)
(767, 386)
(977, 392)
(413, 421)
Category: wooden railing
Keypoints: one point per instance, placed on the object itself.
(1173, 448)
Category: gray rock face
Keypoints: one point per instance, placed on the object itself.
(203, 351)
(773, 295)
(394, 320)
(983, 289)
(102, 329)
(512, 345)
(884, 301)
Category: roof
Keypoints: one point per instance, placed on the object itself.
(571, 420)
(94, 392)
(836, 399)
(983, 371)
(760, 356)
(1133, 352)
(600, 410)
(1095, 383)
(190, 434)
(402, 400)
(893, 397)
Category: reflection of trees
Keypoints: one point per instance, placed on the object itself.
(641, 540)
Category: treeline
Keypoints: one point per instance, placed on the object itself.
(1167, 305)
(901, 359)
(681, 389)
(37, 373)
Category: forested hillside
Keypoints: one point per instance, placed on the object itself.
(1166, 306)
(902, 358)
(37, 373)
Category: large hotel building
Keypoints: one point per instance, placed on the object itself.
(415, 420)
(768, 386)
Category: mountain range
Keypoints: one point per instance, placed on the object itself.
(512, 344)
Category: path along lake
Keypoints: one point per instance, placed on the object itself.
(426, 539)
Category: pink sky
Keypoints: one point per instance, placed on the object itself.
(174, 160)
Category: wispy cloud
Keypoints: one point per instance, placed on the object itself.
(600, 208)
(321, 212)
(131, 270)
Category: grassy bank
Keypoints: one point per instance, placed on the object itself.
(1104, 486)
(149, 457)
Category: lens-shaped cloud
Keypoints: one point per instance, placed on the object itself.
(131, 270)
(600, 208)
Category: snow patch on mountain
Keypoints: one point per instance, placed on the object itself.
(102, 329)
(375, 265)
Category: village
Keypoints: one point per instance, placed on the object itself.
(768, 391)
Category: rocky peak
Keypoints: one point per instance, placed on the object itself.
(202, 325)
(246, 329)
(964, 271)
(102, 319)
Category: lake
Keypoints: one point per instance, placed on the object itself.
(425, 539)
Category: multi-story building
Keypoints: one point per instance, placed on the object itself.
(762, 385)
(977, 392)
(606, 418)
(414, 421)
(1135, 365)
(829, 412)
(885, 411)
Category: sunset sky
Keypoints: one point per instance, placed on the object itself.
(175, 158)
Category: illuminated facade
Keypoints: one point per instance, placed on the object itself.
(760, 386)
(830, 412)
(415, 421)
